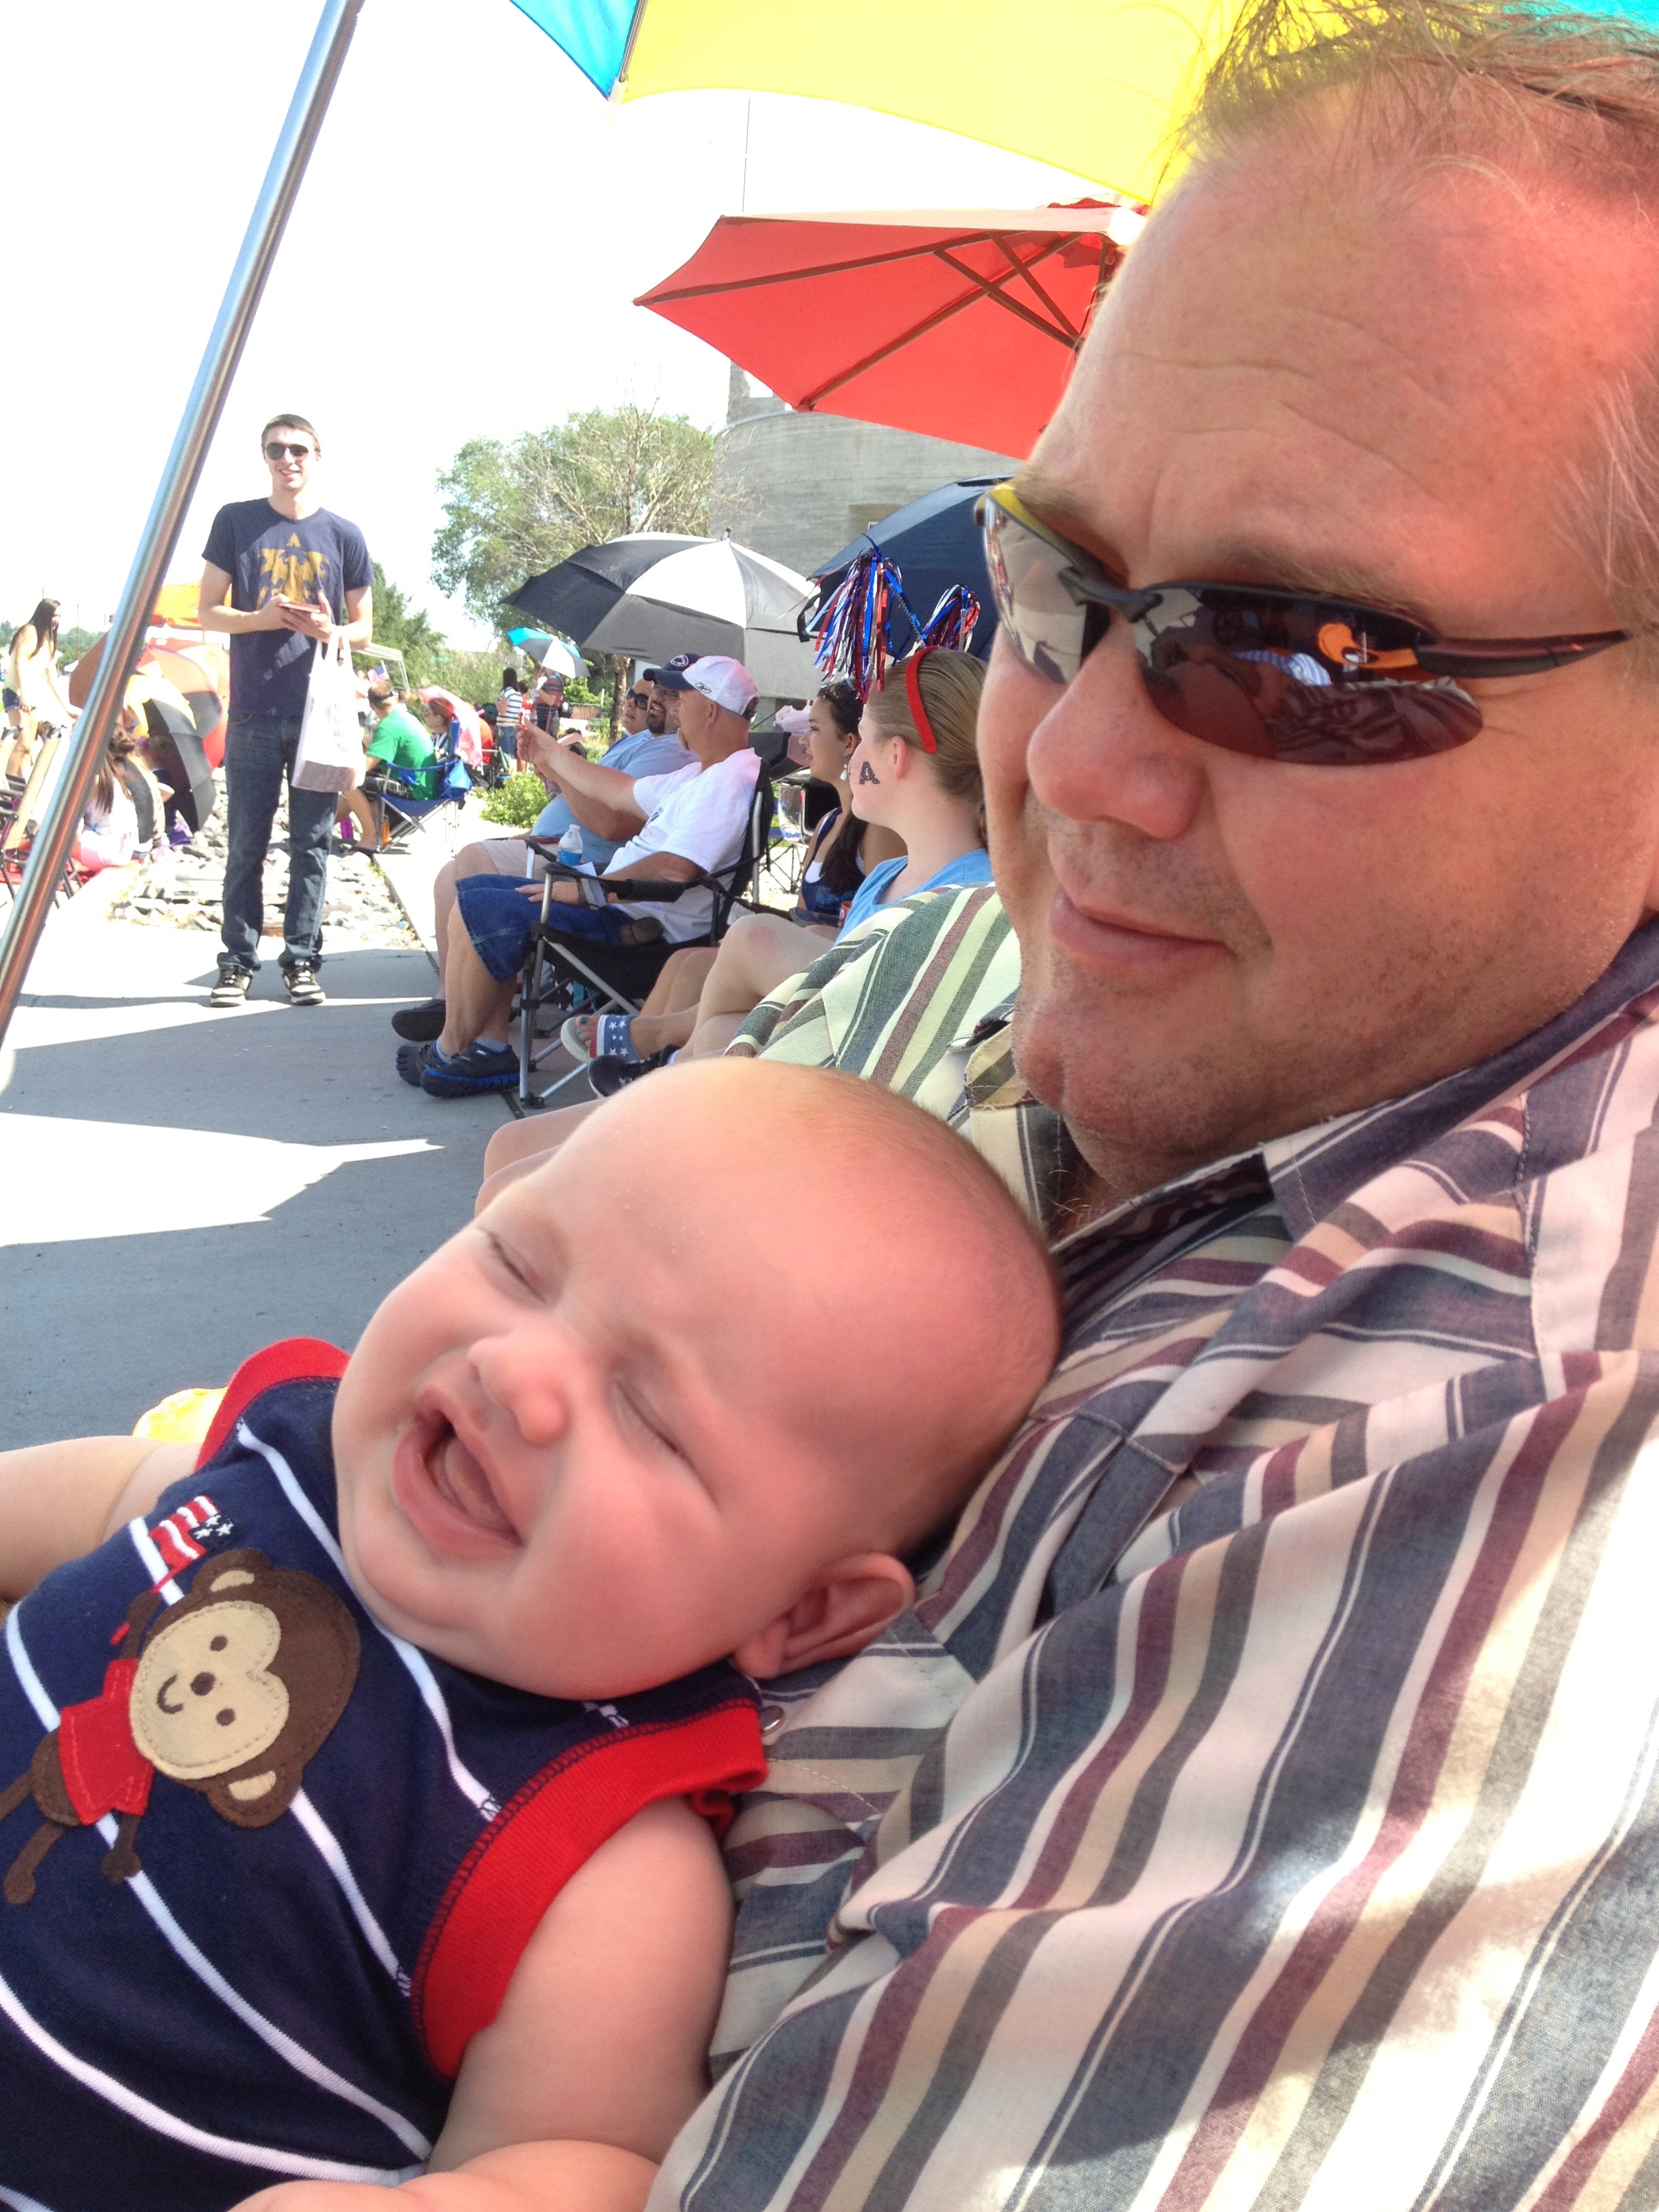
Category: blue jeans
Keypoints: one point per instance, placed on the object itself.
(259, 752)
(500, 921)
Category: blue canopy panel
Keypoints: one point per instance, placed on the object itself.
(594, 33)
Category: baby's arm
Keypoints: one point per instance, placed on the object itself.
(543, 2177)
(59, 1501)
(604, 2030)
(567, 2100)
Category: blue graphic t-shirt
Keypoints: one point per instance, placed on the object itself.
(320, 558)
(264, 1867)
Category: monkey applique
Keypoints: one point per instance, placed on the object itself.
(229, 1692)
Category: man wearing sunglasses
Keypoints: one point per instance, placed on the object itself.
(280, 573)
(1261, 1807)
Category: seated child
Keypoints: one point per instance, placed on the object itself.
(406, 1715)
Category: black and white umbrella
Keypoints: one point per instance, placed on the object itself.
(652, 595)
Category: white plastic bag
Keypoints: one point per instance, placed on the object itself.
(331, 754)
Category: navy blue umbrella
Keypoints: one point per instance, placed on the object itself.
(934, 544)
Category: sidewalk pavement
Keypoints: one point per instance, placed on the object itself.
(179, 1185)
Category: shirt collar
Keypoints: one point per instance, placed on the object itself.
(1315, 1170)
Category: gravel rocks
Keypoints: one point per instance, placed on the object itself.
(180, 890)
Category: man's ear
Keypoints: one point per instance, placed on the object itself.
(841, 1609)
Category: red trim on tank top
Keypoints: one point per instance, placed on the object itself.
(497, 1895)
(295, 1359)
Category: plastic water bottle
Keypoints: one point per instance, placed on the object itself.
(570, 845)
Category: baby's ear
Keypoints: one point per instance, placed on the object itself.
(844, 1607)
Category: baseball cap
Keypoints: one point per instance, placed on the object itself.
(680, 660)
(727, 683)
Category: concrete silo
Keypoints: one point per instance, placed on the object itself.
(798, 487)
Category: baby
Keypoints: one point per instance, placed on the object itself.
(406, 1713)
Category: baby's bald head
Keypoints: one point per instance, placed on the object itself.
(931, 1308)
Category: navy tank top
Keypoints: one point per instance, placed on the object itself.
(266, 1867)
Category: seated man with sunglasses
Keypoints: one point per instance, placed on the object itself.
(1260, 1806)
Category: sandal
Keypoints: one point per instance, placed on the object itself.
(598, 1036)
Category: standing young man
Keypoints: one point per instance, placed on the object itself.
(282, 573)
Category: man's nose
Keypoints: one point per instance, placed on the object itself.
(1102, 752)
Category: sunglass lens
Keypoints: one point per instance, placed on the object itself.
(1251, 672)
(1048, 627)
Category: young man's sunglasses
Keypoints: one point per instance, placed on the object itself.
(1325, 682)
(275, 449)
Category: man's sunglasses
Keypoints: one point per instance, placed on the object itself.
(1283, 676)
(639, 698)
(275, 450)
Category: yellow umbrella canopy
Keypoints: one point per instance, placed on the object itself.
(1090, 86)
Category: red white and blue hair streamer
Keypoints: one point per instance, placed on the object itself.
(855, 625)
(951, 625)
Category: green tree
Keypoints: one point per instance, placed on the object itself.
(72, 643)
(409, 628)
(513, 510)
(476, 676)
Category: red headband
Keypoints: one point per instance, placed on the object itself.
(913, 693)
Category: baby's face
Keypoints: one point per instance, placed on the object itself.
(575, 1453)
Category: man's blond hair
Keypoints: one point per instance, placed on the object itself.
(1404, 84)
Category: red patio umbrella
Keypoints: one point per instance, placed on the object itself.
(962, 325)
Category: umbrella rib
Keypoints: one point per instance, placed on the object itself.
(800, 275)
(1025, 270)
(809, 400)
(982, 288)
(991, 288)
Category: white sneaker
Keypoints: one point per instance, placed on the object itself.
(302, 988)
(231, 989)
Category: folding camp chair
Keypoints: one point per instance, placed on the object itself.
(21, 811)
(397, 795)
(786, 849)
(616, 978)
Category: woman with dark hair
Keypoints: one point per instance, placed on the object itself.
(844, 848)
(108, 835)
(34, 701)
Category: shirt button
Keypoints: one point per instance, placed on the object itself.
(772, 1718)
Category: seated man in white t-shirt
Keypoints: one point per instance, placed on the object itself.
(692, 822)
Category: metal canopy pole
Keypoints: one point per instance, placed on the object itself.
(56, 833)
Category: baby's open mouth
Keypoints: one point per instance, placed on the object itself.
(457, 1476)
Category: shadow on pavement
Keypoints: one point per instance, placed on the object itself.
(237, 1120)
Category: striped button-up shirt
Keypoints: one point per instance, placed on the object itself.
(1260, 1805)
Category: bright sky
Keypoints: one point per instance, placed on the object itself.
(461, 264)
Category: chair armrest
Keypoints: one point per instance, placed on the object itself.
(641, 888)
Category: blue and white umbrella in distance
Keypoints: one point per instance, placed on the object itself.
(556, 654)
